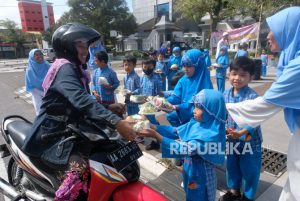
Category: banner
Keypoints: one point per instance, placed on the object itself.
(239, 35)
(244, 34)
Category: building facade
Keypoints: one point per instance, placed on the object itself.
(36, 16)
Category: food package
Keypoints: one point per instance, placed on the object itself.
(135, 118)
(140, 125)
(137, 98)
(103, 81)
(160, 103)
(216, 65)
(174, 67)
(147, 108)
(122, 91)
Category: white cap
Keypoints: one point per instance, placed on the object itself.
(225, 34)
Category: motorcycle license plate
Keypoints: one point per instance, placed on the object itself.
(125, 155)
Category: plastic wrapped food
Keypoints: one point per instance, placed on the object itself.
(137, 98)
(216, 65)
(103, 81)
(174, 67)
(161, 103)
(135, 118)
(122, 91)
(147, 108)
(140, 125)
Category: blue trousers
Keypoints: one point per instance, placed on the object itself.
(263, 71)
(244, 168)
(221, 84)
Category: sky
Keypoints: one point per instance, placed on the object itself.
(9, 9)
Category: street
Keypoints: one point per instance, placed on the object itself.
(275, 133)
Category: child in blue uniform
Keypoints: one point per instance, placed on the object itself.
(174, 65)
(197, 137)
(132, 83)
(150, 86)
(104, 93)
(195, 79)
(242, 168)
(223, 61)
(264, 63)
(161, 68)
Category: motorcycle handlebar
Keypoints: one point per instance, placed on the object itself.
(48, 136)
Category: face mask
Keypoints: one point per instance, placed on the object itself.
(148, 71)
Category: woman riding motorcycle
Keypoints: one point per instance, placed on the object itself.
(67, 100)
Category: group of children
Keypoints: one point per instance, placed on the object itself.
(198, 119)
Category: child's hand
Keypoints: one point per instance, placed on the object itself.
(148, 132)
(128, 94)
(98, 98)
(233, 134)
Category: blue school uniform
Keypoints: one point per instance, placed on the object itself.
(243, 168)
(161, 65)
(132, 83)
(223, 60)
(173, 60)
(207, 59)
(150, 86)
(199, 175)
(187, 87)
(264, 63)
(92, 51)
(241, 53)
(107, 95)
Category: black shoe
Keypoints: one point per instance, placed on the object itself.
(244, 198)
(229, 196)
(153, 145)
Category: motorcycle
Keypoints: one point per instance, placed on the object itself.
(30, 179)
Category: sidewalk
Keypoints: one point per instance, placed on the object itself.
(167, 180)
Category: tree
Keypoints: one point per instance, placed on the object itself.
(221, 9)
(13, 34)
(102, 15)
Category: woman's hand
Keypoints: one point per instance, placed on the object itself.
(148, 132)
(126, 130)
(117, 108)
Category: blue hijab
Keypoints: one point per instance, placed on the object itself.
(223, 59)
(92, 51)
(35, 72)
(187, 87)
(212, 126)
(285, 92)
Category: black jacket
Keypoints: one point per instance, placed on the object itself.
(66, 101)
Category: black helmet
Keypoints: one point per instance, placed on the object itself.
(64, 37)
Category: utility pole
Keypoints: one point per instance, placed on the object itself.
(258, 32)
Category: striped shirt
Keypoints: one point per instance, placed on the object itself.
(244, 94)
(107, 95)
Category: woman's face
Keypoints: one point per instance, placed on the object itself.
(38, 56)
(82, 49)
(274, 47)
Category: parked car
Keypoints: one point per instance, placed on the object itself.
(49, 54)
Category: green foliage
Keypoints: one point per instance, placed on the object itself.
(13, 34)
(102, 15)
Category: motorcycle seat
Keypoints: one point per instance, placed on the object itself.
(18, 130)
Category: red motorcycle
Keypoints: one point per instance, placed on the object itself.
(30, 179)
